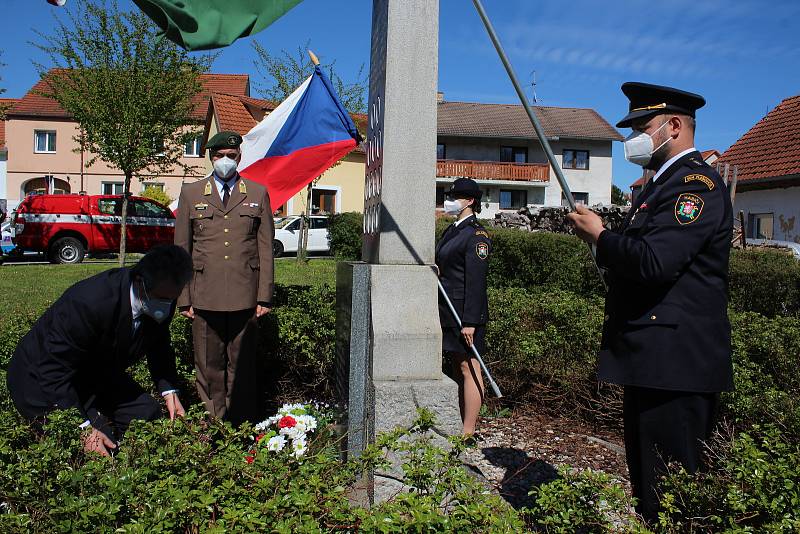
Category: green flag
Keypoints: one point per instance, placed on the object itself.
(206, 24)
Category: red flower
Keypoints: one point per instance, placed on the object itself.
(287, 422)
(250, 459)
(259, 437)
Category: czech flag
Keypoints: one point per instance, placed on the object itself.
(306, 134)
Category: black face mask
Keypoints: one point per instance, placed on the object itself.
(157, 309)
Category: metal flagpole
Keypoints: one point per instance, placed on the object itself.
(534, 121)
(492, 383)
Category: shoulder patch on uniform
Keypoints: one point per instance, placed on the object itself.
(481, 232)
(482, 250)
(700, 178)
(688, 208)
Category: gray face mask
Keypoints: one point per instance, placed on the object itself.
(157, 309)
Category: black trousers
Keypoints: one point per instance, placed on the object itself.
(661, 427)
(110, 404)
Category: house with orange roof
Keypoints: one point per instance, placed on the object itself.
(40, 142)
(767, 160)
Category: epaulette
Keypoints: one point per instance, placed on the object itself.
(695, 163)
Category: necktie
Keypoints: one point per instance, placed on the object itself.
(226, 194)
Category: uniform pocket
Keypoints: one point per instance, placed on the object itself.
(252, 221)
(254, 264)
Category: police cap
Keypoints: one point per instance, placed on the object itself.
(224, 140)
(648, 99)
(465, 188)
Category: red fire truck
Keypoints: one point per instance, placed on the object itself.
(66, 227)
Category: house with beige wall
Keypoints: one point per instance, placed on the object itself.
(43, 155)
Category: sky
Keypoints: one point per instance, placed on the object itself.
(741, 55)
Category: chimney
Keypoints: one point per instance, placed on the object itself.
(439, 97)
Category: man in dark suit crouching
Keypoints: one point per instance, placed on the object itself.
(77, 353)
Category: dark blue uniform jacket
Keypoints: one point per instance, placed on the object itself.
(666, 324)
(83, 341)
(462, 255)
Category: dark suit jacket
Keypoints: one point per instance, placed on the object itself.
(462, 256)
(82, 343)
(666, 323)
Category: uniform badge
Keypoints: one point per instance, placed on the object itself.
(482, 250)
(252, 204)
(200, 206)
(482, 232)
(207, 190)
(700, 178)
(688, 208)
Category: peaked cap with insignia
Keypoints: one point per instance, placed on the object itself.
(465, 188)
(647, 99)
(224, 140)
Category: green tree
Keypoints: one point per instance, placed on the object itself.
(617, 196)
(157, 194)
(130, 90)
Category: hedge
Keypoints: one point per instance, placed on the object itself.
(761, 280)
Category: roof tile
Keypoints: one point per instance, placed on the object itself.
(508, 120)
(771, 148)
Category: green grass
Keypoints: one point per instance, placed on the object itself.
(34, 287)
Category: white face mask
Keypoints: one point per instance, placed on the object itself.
(639, 147)
(224, 167)
(454, 207)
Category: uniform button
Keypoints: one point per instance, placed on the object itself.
(225, 217)
(227, 257)
(227, 243)
(226, 230)
(652, 317)
(606, 318)
(200, 216)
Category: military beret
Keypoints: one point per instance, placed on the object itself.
(647, 99)
(464, 187)
(224, 140)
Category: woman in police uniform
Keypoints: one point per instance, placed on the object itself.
(462, 259)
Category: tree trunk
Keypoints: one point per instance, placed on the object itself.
(124, 224)
(302, 248)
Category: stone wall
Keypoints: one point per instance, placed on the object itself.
(553, 219)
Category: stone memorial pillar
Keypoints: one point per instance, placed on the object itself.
(400, 196)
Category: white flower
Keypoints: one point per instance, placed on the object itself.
(299, 447)
(291, 432)
(308, 421)
(276, 443)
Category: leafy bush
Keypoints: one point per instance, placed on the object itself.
(191, 475)
(157, 194)
(345, 235)
(581, 502)
(764, 281)
(753, 485)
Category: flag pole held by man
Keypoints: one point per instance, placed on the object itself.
(666, 335)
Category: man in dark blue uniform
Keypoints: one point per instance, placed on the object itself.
(666, 336)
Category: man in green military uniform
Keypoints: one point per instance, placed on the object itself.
(225, 223)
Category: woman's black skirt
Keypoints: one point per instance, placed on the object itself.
(453, 341)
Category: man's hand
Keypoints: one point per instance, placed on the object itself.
(98, 442)
(262, 310)
(588, 225)
(174, 406)
(469, 334)
(188, 312)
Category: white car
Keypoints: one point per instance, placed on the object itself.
(287, 234)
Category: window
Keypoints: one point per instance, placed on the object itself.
(109, 206)
(318, 223)
(143, 208)
(575, 159)
(44, 142)
(514, 154)
(761, 225)
(441, 151)
(153, 185)
(192, 148)
(580, 198)
(112, 188)
(293, 226)
(512, 199)
(323, 201)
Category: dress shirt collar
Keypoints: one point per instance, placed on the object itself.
(672, 160)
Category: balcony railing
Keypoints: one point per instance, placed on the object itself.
(492, 170)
